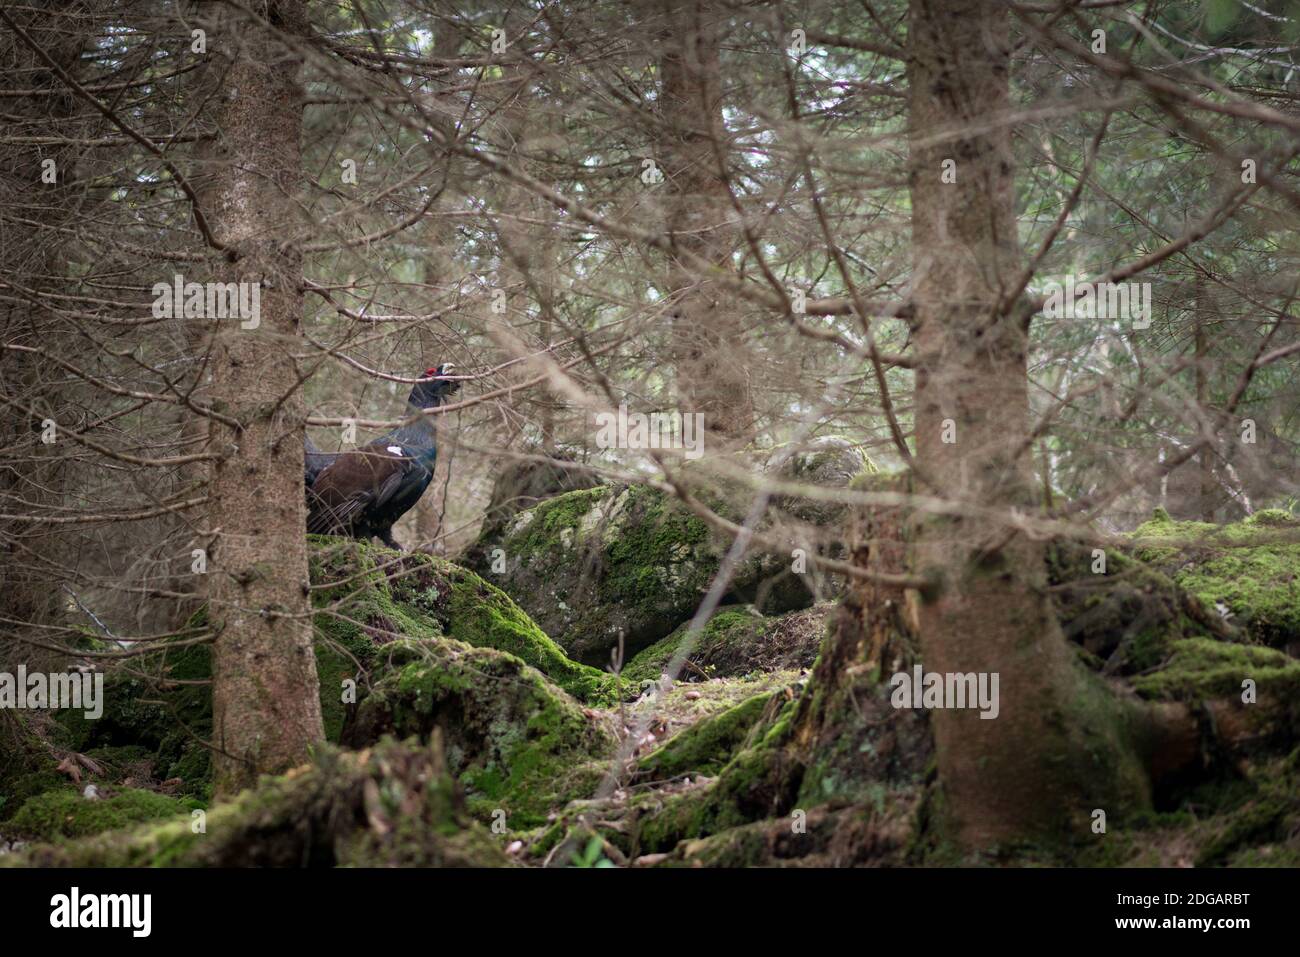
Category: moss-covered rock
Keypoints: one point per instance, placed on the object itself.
(63, 813)
(619, 559)
(1199, 669)
(365, 598)
(160, 705)
(1248, 571)
(523, 484)
(368, 596)
(356, 613)
(736, 641)
(1124, 614)
(705, 747)
(387, 806)
(514, 740)
(478, 613)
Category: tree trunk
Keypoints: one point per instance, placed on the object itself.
(1209, 487)
(266, 710)
(1054, 752)
(707, 334)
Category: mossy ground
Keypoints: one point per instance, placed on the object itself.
(61, 813)
(706, 746)
(1249, 568)
(390, 805)
(365, 598)
(733, 772)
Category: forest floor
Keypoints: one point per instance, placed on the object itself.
(474, 737)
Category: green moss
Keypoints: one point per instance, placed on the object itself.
(27, 762)
(514, 740)
(652, 553)
(1200, 668)
(391, 805)
(755, 783)
(19, 788)
(1258, 822)
(160, 703)
(1128, 618)
(595, 564)
(66, 814)
(365, 598)
(723, 629)
(707, 745)
(382, 596)
(1250, 567)
(355, 613)
(545, 525)
(480, 614)
(1245, 820)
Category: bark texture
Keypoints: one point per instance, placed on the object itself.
(1056, 749)
(713, 375)
(266, 711)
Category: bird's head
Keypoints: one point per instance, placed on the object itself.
(434, 386)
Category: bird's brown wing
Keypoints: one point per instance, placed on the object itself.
(356, 480)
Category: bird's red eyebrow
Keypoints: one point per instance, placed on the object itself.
(430, 372)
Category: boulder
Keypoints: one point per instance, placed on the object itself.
(514, 741)
(522, 485)
(366, 598)
(621, 560)
(736, 641)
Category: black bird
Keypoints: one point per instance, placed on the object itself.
(314, 461)
(361, 493)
